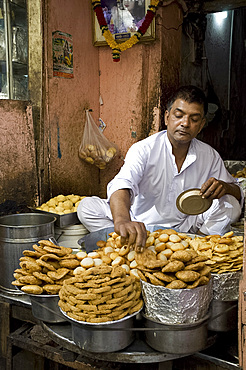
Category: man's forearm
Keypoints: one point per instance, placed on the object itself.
(120, 205)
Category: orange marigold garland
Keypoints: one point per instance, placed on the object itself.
(134, 39)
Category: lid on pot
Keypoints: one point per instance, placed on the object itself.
(191, 202)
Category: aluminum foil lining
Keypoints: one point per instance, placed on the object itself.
(226, 286)
(176, 306)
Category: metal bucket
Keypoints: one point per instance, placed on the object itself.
(45, 308)
(17, 233)
(108, 336)
(177, 338)
(98, 339)
(224, 316)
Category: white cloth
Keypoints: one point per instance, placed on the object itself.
(151, 175)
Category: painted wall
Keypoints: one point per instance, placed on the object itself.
(133, 93)
(67, 99)
(133, 90)
(18, 171)
(130, 93)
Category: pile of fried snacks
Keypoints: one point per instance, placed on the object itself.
(168, 260)
(224, 253)
(240, 173)
(100, 294)
(62, 204)
(44, 269)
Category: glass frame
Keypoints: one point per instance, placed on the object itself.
(113, 16)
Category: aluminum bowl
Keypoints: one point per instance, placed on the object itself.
(108, 336)
(177, 338)
(224, 316)
(45, 308)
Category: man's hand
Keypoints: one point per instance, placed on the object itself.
(215, 189)
(132, 233)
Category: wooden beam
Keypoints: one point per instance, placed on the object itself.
(221, 5)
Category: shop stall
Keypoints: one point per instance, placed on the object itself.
(173, 327)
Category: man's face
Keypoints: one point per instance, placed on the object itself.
(129, 4)
(184, 121)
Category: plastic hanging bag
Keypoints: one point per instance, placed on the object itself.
(95, 148)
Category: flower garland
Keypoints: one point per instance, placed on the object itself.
(134, 39)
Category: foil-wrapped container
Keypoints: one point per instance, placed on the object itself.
(176, 306)
(226, 286)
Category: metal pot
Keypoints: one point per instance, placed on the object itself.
(17, 233)
(177, 338)
(45, 308)
(224, 316)
(104, 337)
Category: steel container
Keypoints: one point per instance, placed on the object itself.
(45, 308)
(109, 336)
(224, 316)
(17, 233)
(176, 338)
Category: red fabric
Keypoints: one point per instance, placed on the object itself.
(148, 19)
(100, 16)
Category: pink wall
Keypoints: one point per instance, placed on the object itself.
(131, 91)
(67, 99)
(18, 172)
(132, 88)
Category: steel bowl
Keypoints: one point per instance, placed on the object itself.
(45, 308)
(224, 316)
(109, 336)
(176, 338)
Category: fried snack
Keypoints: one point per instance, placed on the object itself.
(187, 276)
(58, 274)
(173, 266)
(153, 279)
(32, 289)
(34, 254)
(220, 252)
(59, 251)
(16, 283)
(111, 299)
(176, 284)
(29, 279)
(49, 256)
(195, 266)
(39, 249)
(22, 271)
(41, 267)
(182, 255)
(43, 277)
(30, 266)
(51, 288)
(168, 278)
(49, 266)
(69, 263)
(142, 276)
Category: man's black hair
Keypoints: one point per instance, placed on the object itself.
(190, 94)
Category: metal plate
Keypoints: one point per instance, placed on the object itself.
(191, 202)
(61, 220)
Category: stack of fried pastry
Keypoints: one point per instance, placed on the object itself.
(167, 253)
(224, 253)
(220, 253)
(44, 269)
(100, 294)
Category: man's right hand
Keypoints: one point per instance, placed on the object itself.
(132, 233)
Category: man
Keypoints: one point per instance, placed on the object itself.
(159, 168)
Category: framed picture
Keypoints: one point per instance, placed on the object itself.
(123, 17)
